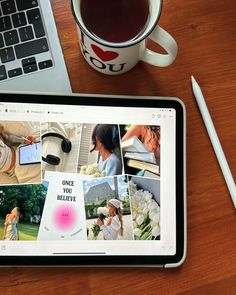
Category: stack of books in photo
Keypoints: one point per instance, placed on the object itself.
(139, 157)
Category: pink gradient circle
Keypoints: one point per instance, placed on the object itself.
(65, 217)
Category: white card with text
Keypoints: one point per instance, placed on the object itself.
(63, 215)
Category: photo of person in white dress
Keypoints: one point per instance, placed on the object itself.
(112, 226)
(11, 232)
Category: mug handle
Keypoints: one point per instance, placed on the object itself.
(165, 40)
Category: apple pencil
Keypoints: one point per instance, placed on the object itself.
(214, 140)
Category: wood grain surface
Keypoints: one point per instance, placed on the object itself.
(206, 35)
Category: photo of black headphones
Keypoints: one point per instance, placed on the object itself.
(66, 146)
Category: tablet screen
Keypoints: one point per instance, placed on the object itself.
(30, 154)
(107, 187)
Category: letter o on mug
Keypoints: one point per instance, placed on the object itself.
(110, 56)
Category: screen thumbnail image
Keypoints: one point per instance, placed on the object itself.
(100, 153)
(107, 208)
(60, 146)
(140, 145)
(145, 207)
(20, 152)
(21, 210)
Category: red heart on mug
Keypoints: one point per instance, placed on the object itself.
(104, 55)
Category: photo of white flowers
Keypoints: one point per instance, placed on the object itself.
(145, 208)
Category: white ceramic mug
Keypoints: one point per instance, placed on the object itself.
(117, 58)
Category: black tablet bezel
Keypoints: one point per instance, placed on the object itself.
(119, 101)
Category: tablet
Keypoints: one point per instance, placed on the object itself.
(30, 154)
(119, 197)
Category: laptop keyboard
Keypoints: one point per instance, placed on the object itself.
(24, 46)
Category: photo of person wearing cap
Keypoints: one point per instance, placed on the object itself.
(112, 226)
(107, 208)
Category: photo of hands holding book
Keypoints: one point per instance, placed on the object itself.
(140, 146)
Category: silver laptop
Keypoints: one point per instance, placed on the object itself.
(31, 58)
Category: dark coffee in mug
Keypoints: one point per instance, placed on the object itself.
(115, 20)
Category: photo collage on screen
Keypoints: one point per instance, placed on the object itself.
(72, 181)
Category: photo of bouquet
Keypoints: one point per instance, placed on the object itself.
(102, 213)
(145, 214)
(92, 170)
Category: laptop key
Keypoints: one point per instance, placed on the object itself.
(3, 73)
(26, 33)
(26, 4)
(19, 19)
(1, 41)
(8, 7)
(15, 72)
(7, 54)
(30, 68)
(5, 23)
(45, 64)
(28, 61)
(31, 48)
(11, 37)
(34, 18)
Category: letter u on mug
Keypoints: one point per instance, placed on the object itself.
(113, 34)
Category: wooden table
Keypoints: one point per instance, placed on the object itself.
(206, 34)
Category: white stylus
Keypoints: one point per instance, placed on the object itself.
(214, 139)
